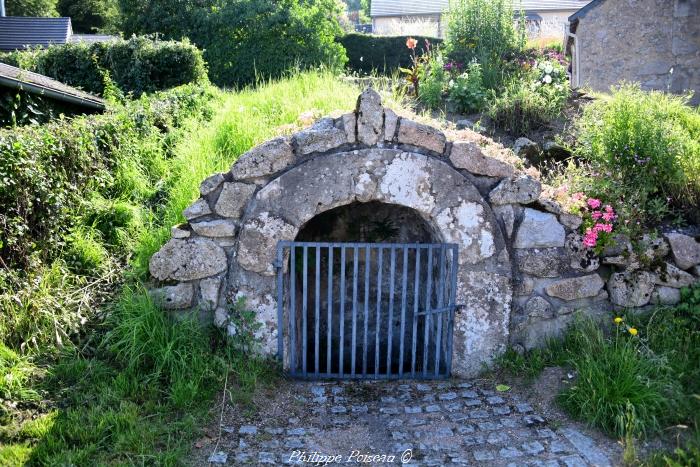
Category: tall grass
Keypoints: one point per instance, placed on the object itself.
(245, 119)
(137, 384)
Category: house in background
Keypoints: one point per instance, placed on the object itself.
(545, 18)
(22, 32)
(655, 43)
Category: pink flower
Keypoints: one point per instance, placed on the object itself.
(590, 238)
(609, 216)
(596, 215)
(609, 208)
(578, 196)
(603, 228)
(594, 203)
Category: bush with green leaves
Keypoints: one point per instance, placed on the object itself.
(245, 41)
(483, 30)
(49, 173)
(526, 103)
(31, 8)
(643, 154)
(433, 80)
(138, 65)
(382, 54)
(466, 91)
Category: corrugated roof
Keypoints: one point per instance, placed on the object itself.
(39, 84)
(426, 7)
(20, 32)
(92, 38)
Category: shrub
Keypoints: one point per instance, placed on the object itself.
(483, 30)
(383, 54)
(246, 40)
(526, 104)
(47, 172)
(137, 65)
(644, 151)
(433, 81)
(467, 91)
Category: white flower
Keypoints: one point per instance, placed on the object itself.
(547, 79)
(548, 68)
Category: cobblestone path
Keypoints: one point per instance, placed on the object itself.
(424, 423)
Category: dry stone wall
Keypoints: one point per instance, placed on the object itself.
(522, 268)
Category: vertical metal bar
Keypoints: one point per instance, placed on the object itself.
(330, 311)
(354, 309)
(390, 323)
(440, 304)
(404, 281)
(380, 254)
(304, 309)
(428, 310)
(280, 303)
(416, 299)
(318, 310)
(293, 311)
(342, 310)
(368, 259)
(453, 295)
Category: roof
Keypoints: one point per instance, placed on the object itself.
(92, 38)
(584, 10)
(428, 7)
(35, 83)
(19, 32)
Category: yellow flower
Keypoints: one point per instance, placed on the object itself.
(633, 331)
(618, 320)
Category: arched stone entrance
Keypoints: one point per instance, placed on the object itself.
(228, 248)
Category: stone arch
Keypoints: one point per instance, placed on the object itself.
(227, 248)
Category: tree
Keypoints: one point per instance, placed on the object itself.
(90, 16)
(31, 8)
(245, 39)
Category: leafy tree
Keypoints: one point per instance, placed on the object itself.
(89, 16)
(31, 8)
(244, 40)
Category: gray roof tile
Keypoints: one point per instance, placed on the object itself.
(20, 32)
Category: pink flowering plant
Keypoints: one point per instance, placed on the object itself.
(598, 223)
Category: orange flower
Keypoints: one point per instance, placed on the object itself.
(411, 43)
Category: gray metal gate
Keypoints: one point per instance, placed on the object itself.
(366, 310)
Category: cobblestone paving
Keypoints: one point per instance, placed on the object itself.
(433, 423)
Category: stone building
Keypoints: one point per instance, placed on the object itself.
(653, 42)
(545, 18)
(371, 246)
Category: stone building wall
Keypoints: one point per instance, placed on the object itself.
(522, 268)
(653, 42)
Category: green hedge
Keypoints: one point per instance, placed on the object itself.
(138, 65)
(367, 53)
(69, 172)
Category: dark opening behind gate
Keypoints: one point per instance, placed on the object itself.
(367, 310)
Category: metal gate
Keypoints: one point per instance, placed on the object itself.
(366, 310)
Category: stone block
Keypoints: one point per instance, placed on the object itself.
(423, 136)
(321, 137)
(576, 288)
(214, 229)
(685, 250)
(210, 184)
(188, 259)
(522, 189)
(539, 230)
(468, 156)
(370, 117)
(233, 199)
(173, 297)
(264, 160)
(197, 209)
(631, 289)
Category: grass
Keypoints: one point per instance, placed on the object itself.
(130, 386)
(629, 386)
